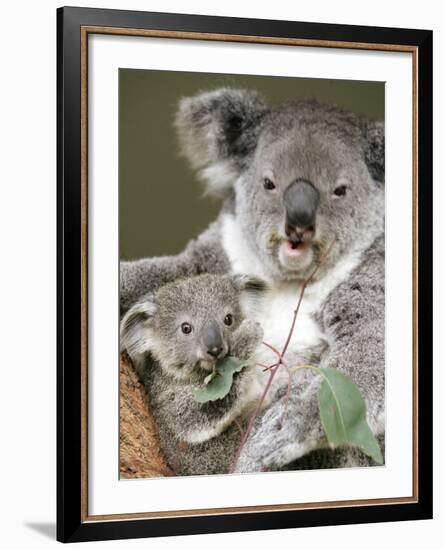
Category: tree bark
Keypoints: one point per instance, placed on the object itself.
(140, 451)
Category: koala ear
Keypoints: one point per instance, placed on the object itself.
(218, 133)
(135, 327)
(252, 293)
(374, 150)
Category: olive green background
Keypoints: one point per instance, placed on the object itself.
(161, 202)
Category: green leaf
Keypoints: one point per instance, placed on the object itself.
(343, 414)
(218, 383)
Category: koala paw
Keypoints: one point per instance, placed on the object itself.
(246, 339)
(278, 439)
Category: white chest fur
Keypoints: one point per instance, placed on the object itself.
(277, 312)
(276, 319)
(277, 315)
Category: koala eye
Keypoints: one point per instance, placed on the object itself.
(228, 319)
(340, 191)
(268, 184)
(236, 122)
(186, 328)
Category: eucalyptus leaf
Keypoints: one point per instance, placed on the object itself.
(219, 382)
(343, 414)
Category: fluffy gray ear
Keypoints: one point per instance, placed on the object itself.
(253, 292)
(135, 334)
(218, 133)
(374, 149)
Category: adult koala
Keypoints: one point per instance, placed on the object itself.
(303, 187)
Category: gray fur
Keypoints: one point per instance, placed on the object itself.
(298, 140)
(172, 365)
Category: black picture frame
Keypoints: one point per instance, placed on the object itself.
(73, 523)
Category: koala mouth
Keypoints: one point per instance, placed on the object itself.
(206, 365)
(294, 248)
(295, 255)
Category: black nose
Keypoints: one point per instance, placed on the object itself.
(212, 339)
(301, 200)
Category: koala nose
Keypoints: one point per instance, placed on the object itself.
(212, 339)
(215, 351)
(301, 200)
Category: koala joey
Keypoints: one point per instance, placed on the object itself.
(174, 337)
(302, 185)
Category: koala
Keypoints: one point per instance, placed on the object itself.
(302, 190)
(174, 337)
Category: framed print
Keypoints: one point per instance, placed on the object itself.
(244, 274)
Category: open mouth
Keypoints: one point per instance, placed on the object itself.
(294, 249)
(295, 255)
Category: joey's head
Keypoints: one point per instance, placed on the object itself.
(303, 177)
(187, 325)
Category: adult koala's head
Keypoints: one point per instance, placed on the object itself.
(305, 177)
